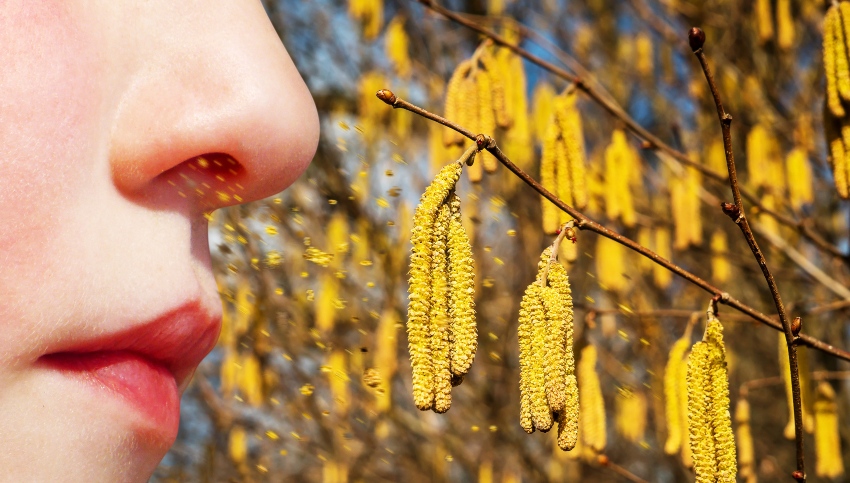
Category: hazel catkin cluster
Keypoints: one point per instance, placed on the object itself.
(548, 385)
(442, 333)
(837, 66)
(562, 169)
(709, 421)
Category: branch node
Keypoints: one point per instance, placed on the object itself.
(796, 326)
(732, 211)
(798, 475)
(387, 96)
(727, 118)
(696, 37)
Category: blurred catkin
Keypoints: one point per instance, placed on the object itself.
(746, 450)
(829, 463)
(675, 400)
(592, 410)
(630, 413)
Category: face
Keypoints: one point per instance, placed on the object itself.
(121, 125)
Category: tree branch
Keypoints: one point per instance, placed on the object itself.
(736, 212)
(585, 223)
(652, 141)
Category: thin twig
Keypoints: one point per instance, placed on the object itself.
(748, 386)
(582, 222)
(736, 212)
(651, 141)
(605, 462)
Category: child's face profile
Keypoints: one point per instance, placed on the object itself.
(121, 124)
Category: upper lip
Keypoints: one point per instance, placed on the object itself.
(178, 339)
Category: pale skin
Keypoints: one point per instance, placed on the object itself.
(103, 105)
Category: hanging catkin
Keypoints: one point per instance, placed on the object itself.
(397, 46)
(709, 422)
(720, 266)
(675, 395)
(610, 261)
(746, 451)
(829, 462)
(799, 178)
(441, 303)
(547, 380)
(630, 414)
(784, 24)
(764, 20)
(622, 173)
(592, 410)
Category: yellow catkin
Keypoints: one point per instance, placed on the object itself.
(251, 380)
(746, 450)
(493, 68)
(485, 471)
(663, 247)
(842, 63)
(622, 172)
(325, 306)
(610, 261)
(784, 24)
(693, 185)
(542, 109)
(461, 293)
(453, 102)
(837, 157)
(645, 54)
(805, 386)
(397, 46)
(557, 303)
(764, 20)
(532, 336)
(568, 419)
(673, 397)
(550, 215)
(715, 158)
(568, 118)
(830, 61)
(799, 175)
(419, 307)
(237, 445)
(709, 422)
(630, 415)
(486, 117)
(758, 140)
(687, 456)
(592, 411)
(829, 462)
(720, 266)
(338, 380)
(229, 372)
(386, 357)
(526, 347)
(699, 414)
(439, 315)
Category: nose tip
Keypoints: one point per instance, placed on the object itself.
(223, 91)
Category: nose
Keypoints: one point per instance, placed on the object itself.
(211, 86)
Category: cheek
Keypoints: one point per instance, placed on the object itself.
(51, 133)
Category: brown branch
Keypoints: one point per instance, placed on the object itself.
(651, 141)
(736, 212)
(748, 386)
(585, 223)
(605, 462)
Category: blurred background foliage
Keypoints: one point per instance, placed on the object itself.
(310, 380)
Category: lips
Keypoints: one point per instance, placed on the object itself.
(143, 365)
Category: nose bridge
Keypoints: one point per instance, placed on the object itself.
(222, 85)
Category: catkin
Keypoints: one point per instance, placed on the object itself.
(454, 100)
(631, 415)
(461, 294)
(831, 39)
(592, 410)
(568, 419)
(542, 109)
(610, 264)
(439, 315)
(661, 275)
(746, 450)
(784, 24)
(419, 308)
(764, 20)
(829, 463)
(709, 423)
(622, 173)
(720, 266)
(674, 399)
(525, 331)
(842, 63)
(397, 46)
(532, 333)
(550, 214)
(486, 117)
(799, 175)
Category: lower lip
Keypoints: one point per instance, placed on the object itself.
(148, 387)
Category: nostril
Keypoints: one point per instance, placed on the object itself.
(212, 180)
